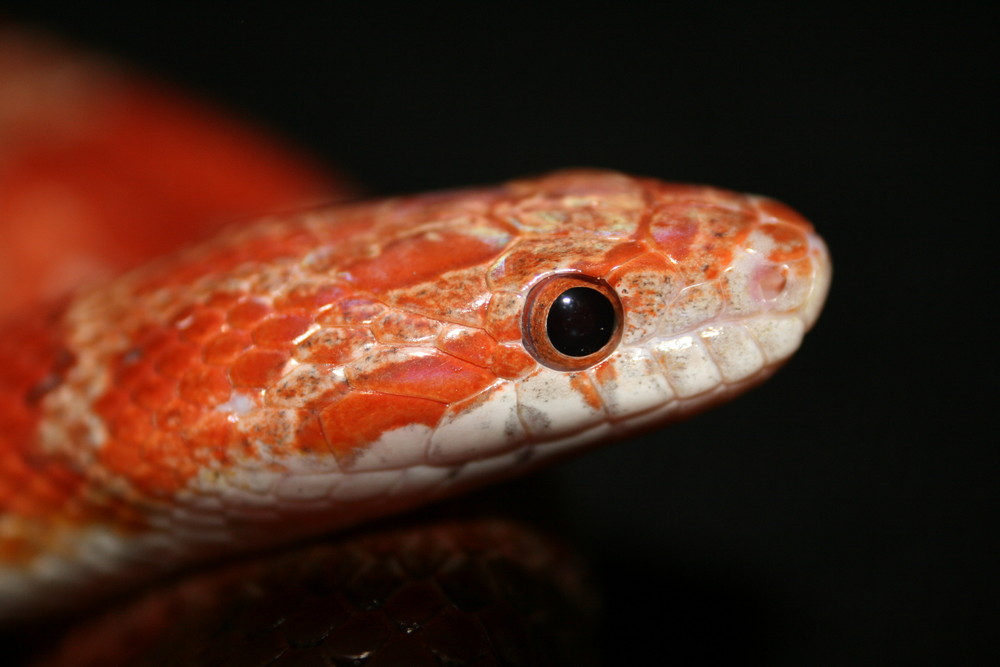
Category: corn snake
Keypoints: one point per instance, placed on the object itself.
(343, 357)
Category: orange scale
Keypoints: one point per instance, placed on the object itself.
(205, 385)
(178, 317)
(784, 213)
(401, 327)
(225, 348)
(802, 268)
(421, 257)
(503, 316)
(534, 257)
(789, 242)
(352, 311)
(434, 375)
(473, 345)
(202, 324)
(223, 300)
(689, 231)
(616, 256)
(258, 368)
(154, 391)
(130, 426)
(310, 437)
(178, 415)
(279, 331)
(113, 402)
(335, 345)
(650, 262)
(121, 458)
(457, 296)
(642, 283)
(214, 438)
(319, 400)
(174, 360)
(675, 238)
(131, 375)
(361, 418)
(511, 362)
(248, 313)
(310, 297)
(153, 339)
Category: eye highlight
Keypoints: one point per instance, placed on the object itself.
(571, 321)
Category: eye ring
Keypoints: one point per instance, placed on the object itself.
(571, 321)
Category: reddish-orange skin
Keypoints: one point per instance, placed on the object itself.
(307, 337)
(189, 355)
(115, 170)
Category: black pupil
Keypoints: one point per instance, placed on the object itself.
(581, 322)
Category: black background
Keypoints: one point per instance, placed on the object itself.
(845, 512)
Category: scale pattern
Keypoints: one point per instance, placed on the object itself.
(308, 372)
(311, 371)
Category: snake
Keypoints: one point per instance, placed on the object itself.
(328, 365)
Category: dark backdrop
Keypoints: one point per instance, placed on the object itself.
(845, 512)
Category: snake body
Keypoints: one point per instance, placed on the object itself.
(313, 370)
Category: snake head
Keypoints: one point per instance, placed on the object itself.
(360, 359)
(390, 353)
(306, 373)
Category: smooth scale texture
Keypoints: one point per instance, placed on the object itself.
(313, 370)
(306, 373)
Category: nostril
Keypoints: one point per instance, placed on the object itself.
(772, 281)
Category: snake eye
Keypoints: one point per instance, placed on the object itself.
(571, 321)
